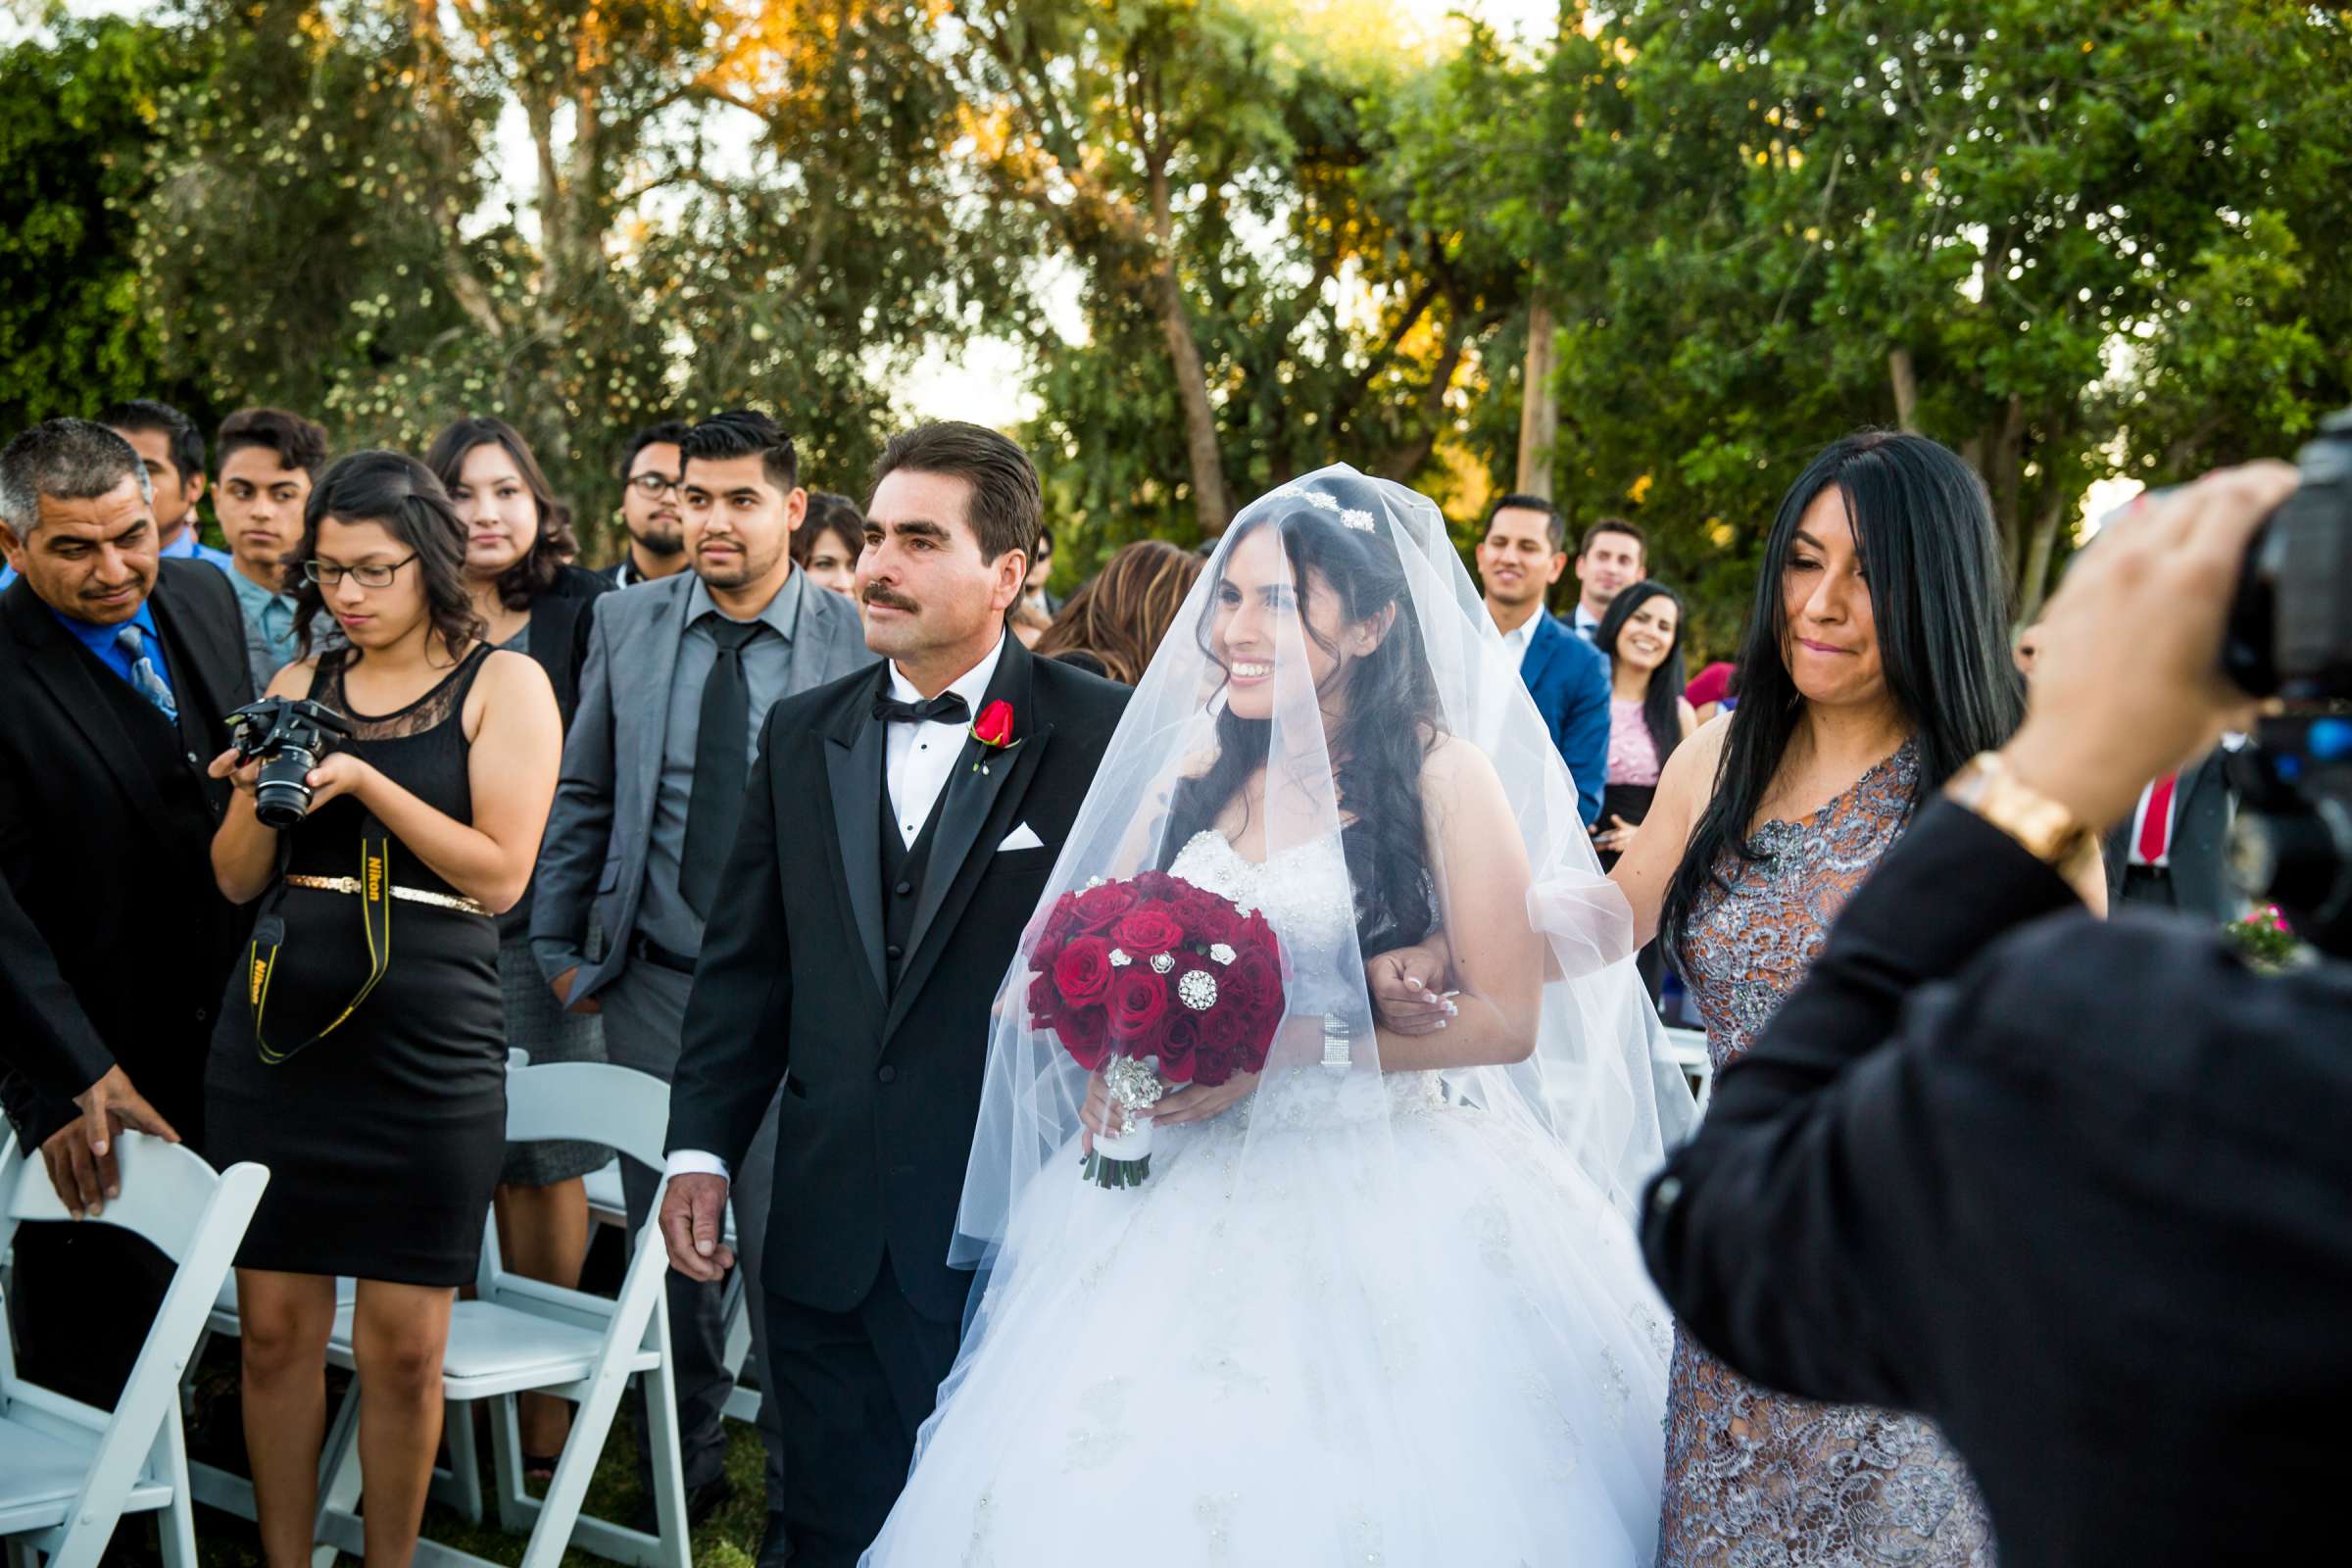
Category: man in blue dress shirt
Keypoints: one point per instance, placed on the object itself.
(115, 670)
(172, 449)
(1523, 554)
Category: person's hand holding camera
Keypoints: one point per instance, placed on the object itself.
(2127, 683)
(340, 773)
(242, 777)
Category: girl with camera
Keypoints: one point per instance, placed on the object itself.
(364, 1065)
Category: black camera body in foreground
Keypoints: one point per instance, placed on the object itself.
(2289, 636)
(291, 735)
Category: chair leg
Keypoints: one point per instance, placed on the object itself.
(339, 1474)
(506, 1463)
(460, 1486)
(668, 1462)
(177, 1526)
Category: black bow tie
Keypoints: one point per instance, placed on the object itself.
(944, 709)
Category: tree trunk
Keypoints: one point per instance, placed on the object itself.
(1905, 376)
(1539, 402)
(2031, 588)
(1209, 501)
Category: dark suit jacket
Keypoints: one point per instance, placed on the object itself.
(2074, 1189)
(1569, 679)
(43, 1032)
(106, 831)
(558, 636)
(884, 1087)
(2202, 813)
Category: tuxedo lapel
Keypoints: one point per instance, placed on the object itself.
(72, 676)
(853, 753)
(985, 785)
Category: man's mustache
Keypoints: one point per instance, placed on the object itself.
(888, 600)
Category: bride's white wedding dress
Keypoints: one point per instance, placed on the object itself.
(1278, 1351)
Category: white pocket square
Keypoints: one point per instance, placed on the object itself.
(1023, 837)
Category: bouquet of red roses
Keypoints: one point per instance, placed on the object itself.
(1156, 983)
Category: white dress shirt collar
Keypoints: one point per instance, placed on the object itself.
(970, 685)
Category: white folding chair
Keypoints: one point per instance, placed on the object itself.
(607, 1205)
(68, 1472)
(521, 1335)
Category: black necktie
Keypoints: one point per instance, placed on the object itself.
(720, 765)
(944, 709)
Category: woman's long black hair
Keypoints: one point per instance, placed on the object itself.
(1662, 701)
(396, 491)
(1923, 527)
(1392, 719)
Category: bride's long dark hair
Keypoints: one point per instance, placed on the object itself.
(1390, 719)
(1923, 526)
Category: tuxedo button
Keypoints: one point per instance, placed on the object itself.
(893, 951)
(903, 889)
(887, 1075)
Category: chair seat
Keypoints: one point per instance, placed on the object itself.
(42, 1470)
(494, 1349)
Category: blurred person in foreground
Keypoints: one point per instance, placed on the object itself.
(1112, 627)
(2073, 1190)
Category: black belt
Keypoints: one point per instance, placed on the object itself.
(2148, 873)
(643, 951)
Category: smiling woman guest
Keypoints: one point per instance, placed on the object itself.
(361, 1053)
(1875, 663)
(532, 599)
(1641, 634)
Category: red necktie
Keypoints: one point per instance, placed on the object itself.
(2156, 826)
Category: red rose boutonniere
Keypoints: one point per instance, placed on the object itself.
(993, 729)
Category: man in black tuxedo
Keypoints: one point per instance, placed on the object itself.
(2073, 1190)
(116, 668)
(886, 864)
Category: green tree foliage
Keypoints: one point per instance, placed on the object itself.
(2075, 241)
(78, 125)
(581, 218)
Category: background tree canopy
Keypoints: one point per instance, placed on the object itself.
(1230, 239)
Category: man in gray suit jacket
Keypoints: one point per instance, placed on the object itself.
(680, 674)
(2168, 853)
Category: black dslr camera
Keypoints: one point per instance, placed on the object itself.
(291, 735)
(2289, 637)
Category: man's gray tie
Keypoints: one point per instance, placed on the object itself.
(143, 676)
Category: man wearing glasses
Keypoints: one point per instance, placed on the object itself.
(648, 506)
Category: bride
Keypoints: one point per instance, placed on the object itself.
(1381, 1303)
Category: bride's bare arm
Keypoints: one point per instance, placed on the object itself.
(1497, 957)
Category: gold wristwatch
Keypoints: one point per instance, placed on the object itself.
(2048, 830)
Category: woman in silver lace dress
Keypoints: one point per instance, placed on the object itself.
(1875, 665)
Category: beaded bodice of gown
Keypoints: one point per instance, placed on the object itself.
(1753, 1477)
(1309, 899)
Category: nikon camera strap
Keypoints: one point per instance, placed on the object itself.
(269, 934)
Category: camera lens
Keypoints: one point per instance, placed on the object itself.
(281, 795)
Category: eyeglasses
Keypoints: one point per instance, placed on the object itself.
(371, 576)
(652, 485)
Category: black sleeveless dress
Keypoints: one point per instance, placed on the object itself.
(383, 1139)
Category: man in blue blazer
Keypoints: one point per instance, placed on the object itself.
(1523, 554)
